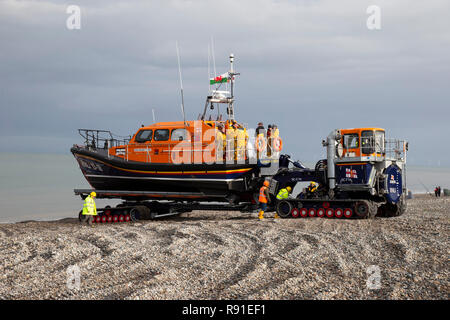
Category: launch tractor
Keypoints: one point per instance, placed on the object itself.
(363, 176)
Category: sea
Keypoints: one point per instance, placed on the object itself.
(40, 186)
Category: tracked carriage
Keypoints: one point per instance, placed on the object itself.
(363, 176)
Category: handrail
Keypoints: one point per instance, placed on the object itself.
(389, 149)
(167, 147)
(101, 139)
(396, 149)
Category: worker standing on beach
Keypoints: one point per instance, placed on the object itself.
(264, 198)
(89, 208)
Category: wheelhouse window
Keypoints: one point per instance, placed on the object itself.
(367, 142)
(144, 135)
(161, 135)
(179, 135)
(351, 141)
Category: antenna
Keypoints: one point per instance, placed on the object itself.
(231, 75)
(214, 58)
(181, 83)
(153, 112)
(209, 68)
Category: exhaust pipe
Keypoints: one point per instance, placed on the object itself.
(332, 139)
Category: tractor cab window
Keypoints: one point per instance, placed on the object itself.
(161, 135)
(351, 141)
(180, 135)
(367, 142)
(144, 135)
(379, 142)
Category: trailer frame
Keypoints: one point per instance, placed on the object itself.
(142, 205)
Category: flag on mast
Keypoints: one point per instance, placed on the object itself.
(220, 79)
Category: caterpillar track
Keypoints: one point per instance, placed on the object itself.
(340, 209)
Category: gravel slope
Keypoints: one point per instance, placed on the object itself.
(214, 255)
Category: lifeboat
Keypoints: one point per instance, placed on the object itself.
(175, 157)
(164, 156)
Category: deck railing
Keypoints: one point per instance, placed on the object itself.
(102, 139)
(396, 149)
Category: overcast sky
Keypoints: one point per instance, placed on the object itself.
(310, 66)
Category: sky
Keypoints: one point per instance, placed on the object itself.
(309, 66)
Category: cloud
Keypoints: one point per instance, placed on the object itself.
(309, 66)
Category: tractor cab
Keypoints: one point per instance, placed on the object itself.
(361, 144)
(366, 161)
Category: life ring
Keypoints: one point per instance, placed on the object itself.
(277, 144)
(261, 143)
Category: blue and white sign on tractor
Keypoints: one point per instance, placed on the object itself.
(394, 183)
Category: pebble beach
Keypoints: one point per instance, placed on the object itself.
(231, 255)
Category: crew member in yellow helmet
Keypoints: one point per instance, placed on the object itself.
(283, 194)
(312, 189)
(264, 198)
(89, 209)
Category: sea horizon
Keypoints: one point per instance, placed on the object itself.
(39, 186)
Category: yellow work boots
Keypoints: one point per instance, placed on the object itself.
(261, 215)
